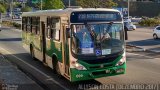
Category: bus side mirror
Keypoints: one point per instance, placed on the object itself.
(68, 32)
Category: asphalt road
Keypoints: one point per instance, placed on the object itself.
(143, 37)
(142, 68)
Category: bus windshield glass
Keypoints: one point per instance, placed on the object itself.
(97, 39)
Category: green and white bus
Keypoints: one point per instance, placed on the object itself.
(79, 44)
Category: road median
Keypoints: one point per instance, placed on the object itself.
(134, 48)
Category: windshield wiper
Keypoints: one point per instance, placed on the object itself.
(110, 25)
(89, 29)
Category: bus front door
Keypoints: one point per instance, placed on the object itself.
(43, 42)
(65, 51)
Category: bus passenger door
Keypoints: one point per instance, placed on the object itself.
(65, 50)
(43, 42)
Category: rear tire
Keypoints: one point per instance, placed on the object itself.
(155, 36)
(55, 65)
(57, 69)
(32, 53)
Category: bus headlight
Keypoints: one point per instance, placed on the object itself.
(122, 61)
(78, 66)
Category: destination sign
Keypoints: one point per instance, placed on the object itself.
(94, 16)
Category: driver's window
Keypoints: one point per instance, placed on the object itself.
(116, 31)
(158, 28)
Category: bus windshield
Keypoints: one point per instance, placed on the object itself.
(97, 39)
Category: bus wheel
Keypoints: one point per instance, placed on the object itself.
(32, 53)
(155, 36)
(56, 68)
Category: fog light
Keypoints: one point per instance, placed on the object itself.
(120, 70)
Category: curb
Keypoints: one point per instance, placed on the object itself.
(139, 49)
(153, 51)
(12, 28)
(135, 48)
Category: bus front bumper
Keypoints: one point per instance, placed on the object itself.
(79, 75)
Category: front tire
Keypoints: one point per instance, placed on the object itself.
(155, 36)
(55, 64)
(57, 69)
(32, 53)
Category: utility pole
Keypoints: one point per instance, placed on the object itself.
(41, 5)
(128, 9)
(11, 8)
(69, 3)
(23, 4)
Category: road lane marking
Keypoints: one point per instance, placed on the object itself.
(143, 56)
(35, 69)
(154, 40)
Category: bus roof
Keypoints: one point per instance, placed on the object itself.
(63, 12)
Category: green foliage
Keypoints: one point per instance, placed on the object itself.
(11, 24)
(2, 8)
(53, 4)
(26, 9)
(16, 25)
(96, 3)
(6, 23)
(150, 22)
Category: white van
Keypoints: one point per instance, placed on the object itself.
(130, 25)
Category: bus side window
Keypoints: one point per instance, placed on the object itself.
(48, 32)
(56, 35)
(55, 28)
(48, 29)
(38, 26)
(29, 24)
(33, 25)
(24, 23)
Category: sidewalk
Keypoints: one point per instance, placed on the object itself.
(11, 78)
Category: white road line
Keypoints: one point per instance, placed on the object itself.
(143, 55)
(35, 69)
(154, 41)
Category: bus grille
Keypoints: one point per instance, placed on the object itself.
(98, 67)
(98, 73)
(100, 61)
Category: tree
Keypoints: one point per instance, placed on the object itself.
(2, 9)
(96, 3)
(26, 9)
(53, 4)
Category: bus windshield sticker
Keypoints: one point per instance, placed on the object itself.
(86, 45)
(106, 51)
(87, 50)
(98, 52)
